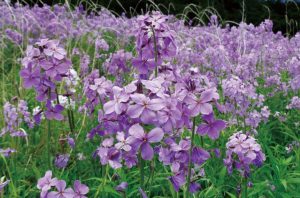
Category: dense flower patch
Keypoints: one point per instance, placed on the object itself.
(146, 106)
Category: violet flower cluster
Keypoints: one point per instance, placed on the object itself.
(14, 116)
(45, 65)
(242, 152)
(47, 183)
(169, 106)
(154, 41)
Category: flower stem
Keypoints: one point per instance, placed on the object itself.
(155, 52)
(245, 189)
(49, 135)
(190, 160)
(48, 143)
(142, 173)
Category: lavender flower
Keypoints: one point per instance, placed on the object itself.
(7, 152)
(211, 127)
(62, 160)
(61, 192)
(142, 140)
(3, 183)
(242, 151)
(122, 187)
(80, 190)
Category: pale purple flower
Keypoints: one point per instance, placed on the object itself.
(80, 190)
(45, 183)
(122, 187)
(144, 107)
(201, 105)
(211, 127)
(199, 155)
(52, 49)
(62, 160)
(54, 112)
(117, 104)
(61, 192)
(142, 140)
(31, 76)
(7, 152)
(177, 180)
(3, 184)
(100, 85)
(123, 142)
(55, 68)
(242, 151)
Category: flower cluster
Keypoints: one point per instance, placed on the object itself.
(46, 183)
(44, 65)
(295, 103)
(176, 155)
(117, 63)
(95, 89)
(14, 117)
(243, 151)
(154, 41)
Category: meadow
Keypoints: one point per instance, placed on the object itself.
(99, 105)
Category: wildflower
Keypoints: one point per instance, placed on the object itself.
(61, 192)
(211, 127)
(142, 140)
(242, 151)
(80, 190)
(61, 161)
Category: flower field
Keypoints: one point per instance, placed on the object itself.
(98, 105)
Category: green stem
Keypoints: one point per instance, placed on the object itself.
(70, 121)
(142, 173)
(49, 135)
(48, 143)
(155, 52)
(190, 160)
(245, 189)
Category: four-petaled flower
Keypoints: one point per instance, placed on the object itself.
(142, 140)
(211, 127)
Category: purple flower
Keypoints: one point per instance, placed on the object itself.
(100, 85)
(123, 142)
(211, 127)
(62, 160)
(52, 49)
(201, 105)
(111, 156)
(31, 76)
(45, 183)
(177, 180)
(143, 194)
(3, 184)
(71, 142)
(142, 140)
(7, 152)
(242, 151)
(55, 68)
(143, 65)
(61, 192)
(181, 150)
(54, 112)
(199, 155)
(144, 107)
(118, 103)
(80, 190)
(122, 187)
